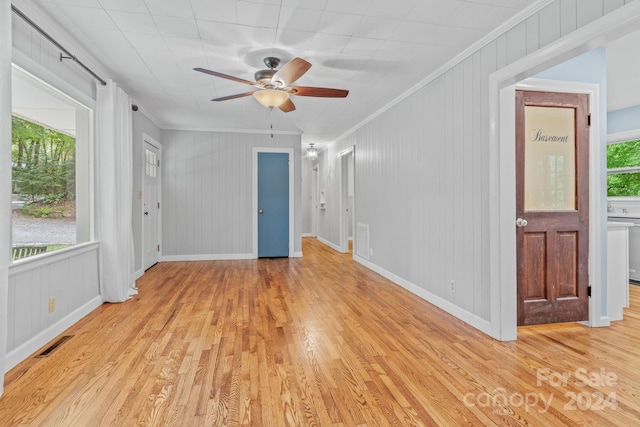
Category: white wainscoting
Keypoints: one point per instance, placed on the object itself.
(68, 275)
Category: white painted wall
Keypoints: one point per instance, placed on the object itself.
(69, 275)
(422, 171)
(30, 47)
(207, 193)
(308, 206)
(329, 181)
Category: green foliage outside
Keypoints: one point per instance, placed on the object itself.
(43, 164)
(623, 155)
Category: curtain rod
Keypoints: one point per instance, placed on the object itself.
(55, 42)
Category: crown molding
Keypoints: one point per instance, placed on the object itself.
(228, 130)
(490, 37)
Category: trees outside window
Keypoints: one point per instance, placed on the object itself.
(623, 169)
(43, 163)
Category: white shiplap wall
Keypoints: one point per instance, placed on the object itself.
(71, 275)
(41, 58)
(207, 193)
(422, 170)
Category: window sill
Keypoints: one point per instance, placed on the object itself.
(47, 258)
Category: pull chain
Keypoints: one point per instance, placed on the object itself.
(271, 117)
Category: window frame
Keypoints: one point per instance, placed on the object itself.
(621, 138)
(85, 167)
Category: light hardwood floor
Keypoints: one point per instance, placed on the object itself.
(317, 341)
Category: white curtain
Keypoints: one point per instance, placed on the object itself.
(5, 176)
(114, 187)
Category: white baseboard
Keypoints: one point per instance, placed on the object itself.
(308, 235)
(26, 349)
(215, 257)
(207, 257)
(328, 243)
(138, 274)
(470, 318)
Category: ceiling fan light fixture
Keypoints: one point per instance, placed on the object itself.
(271, 98)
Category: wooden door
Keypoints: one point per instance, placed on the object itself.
(552, 206)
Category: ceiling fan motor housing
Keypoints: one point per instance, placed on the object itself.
(264, 76)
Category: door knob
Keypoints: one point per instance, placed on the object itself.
(146, 213)
(520, 222)
(260, 211)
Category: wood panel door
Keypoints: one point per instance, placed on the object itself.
(552, 206)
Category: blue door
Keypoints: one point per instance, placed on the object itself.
(273, 205)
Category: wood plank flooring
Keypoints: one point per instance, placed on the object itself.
(317, 341)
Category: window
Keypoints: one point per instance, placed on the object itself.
(50, 169)
(151, 163)
(623, 169)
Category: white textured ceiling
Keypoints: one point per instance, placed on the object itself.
(377, 49)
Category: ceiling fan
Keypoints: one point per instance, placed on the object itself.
(274, 86)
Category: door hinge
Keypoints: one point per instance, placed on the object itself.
(158, 205)
(589, 291)
(158, 248)
(158, 163)
(588, 119)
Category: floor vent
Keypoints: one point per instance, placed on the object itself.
(54, 346)
(362, 240)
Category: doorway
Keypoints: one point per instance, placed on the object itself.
(151, 203)
(273, 168)
(503, 236)
(347, 197)
(314, 201)
(552, 206)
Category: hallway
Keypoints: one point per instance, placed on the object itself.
(322, 341)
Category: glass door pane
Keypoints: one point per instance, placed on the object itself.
(550, 159)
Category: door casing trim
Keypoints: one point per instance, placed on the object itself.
(288, 151)
(595, 188)
(504, 311)
(147, 139)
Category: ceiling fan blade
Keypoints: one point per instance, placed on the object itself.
(287, 106)
(240, 95)
(225, 76)
(321, 92)
(291, 72)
